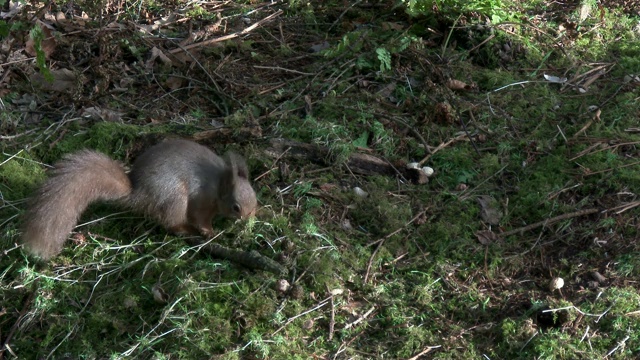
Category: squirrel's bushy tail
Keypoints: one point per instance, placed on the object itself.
(76, 181)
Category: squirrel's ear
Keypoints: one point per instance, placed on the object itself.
(227, 180)
(238, 165)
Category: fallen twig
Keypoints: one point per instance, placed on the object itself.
(332, 319)
(425, 351)
(596, 117)
(14, 327)
(584, 152)
(250, 259)
(442, 146)
(548, 221)
(358, 320)
(291, 319)
(381, 241)
(625, 207)
(227, 37)
(620, 344)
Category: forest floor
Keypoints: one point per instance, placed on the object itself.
(446, 182)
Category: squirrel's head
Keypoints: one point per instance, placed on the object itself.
(237, 197)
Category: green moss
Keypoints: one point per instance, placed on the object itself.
(431, 282)
(19, 176)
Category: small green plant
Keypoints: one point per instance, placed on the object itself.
(384, 57)
(4, 28)
(494, 9)
(302, 188)
(132, 48)
(350, 42)
(37, 34)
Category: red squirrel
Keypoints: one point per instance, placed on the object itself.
(179, 183)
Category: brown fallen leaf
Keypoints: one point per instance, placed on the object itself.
(454, 84)
(102, 114)
(158, 54)
(328, 187)
(444, 113)
(487, 237)
(174, 82)
(48, 43)
(63, 80)
(388, 25)
(386, 90)
(315, 48)
(489, 210)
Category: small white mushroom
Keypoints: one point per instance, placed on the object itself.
(336, 292)
(428, 171)
(556, 283)
(360, 192)
(159, 295)
(413, 165)
(282, 286)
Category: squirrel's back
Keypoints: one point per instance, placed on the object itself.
(76, 181)
(180, 183)
(169, 175)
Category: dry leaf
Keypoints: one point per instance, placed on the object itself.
(388, 25)
(487, 237)
(458, 85)
(63, 80)
(14, 9)
(102, 114)
(159, 295)
(48, 43)
(444, 113)
(489, 210)
(174, 82)
(555, 79)
(319, 47)
(158, 54)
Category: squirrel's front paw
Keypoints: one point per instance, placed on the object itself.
(206, 231)
(184, 229)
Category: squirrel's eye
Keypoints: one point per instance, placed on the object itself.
(236, 208)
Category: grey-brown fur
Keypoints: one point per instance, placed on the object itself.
(76, 181)
(181, 184)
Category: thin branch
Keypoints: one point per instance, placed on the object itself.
(227, 37)
(381, 241)
(23, 312)
(425, 351)
(548, 221)
(291, 319)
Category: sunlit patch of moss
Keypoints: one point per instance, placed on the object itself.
(20, 175)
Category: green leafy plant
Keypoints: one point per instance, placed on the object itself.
(384, 57)
(37, 34)
(494, 9)
(4, 28)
